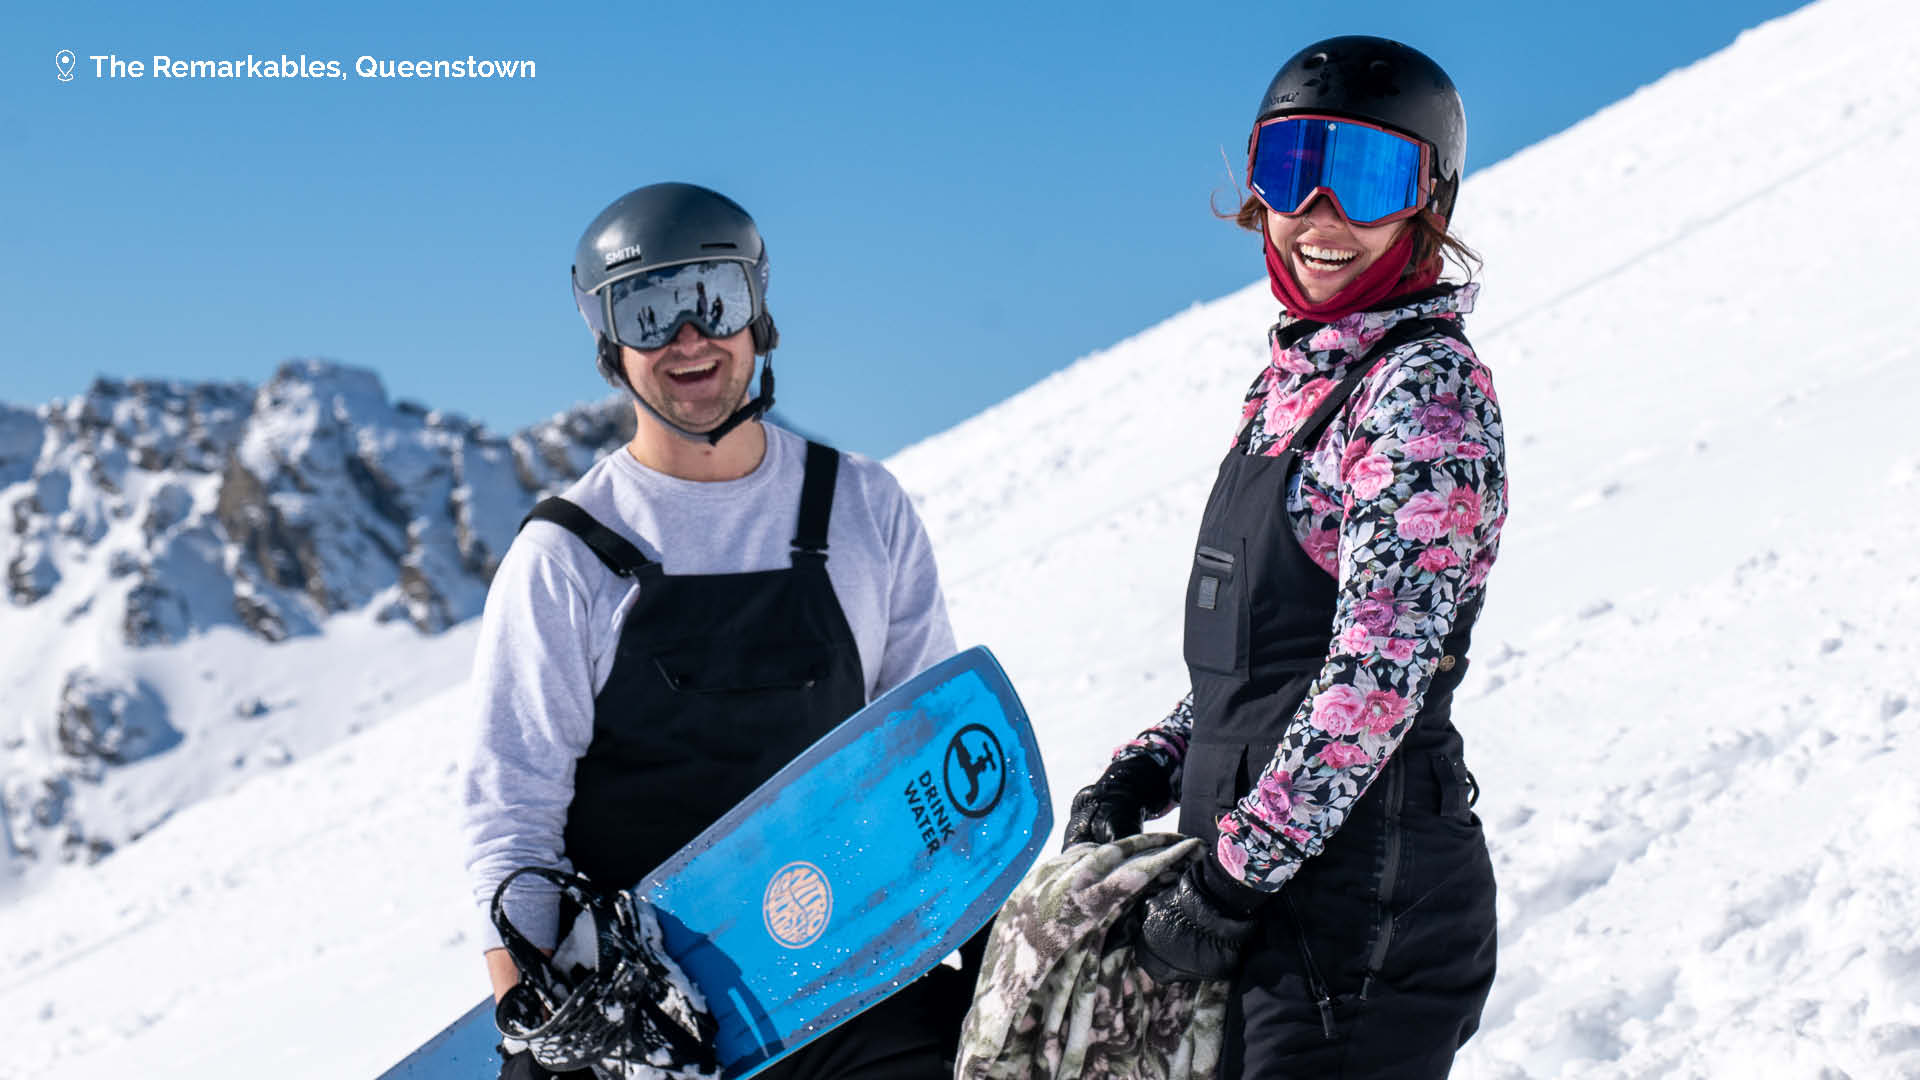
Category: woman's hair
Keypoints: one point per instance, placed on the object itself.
(1430, 237)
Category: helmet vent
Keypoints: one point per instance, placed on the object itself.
(1380, 75)
(1314, 61)
(728, 244)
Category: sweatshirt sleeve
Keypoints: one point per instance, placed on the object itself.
(533, 695)
(1422, 498)
(919, 634)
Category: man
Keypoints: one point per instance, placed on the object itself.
(701, 608)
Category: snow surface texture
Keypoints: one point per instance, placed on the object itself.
(1693, 687)
(161, 538)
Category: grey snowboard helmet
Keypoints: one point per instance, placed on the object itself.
(1382, 82)
(662, 231)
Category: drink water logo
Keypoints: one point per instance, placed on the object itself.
(797, 904)
(929, 811)
(975, 771)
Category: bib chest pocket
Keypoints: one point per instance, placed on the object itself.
(1217, 609)
(730, 703)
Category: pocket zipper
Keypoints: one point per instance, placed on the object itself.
(1390, 873)
(1214, 559)
(678, 683)
(1321, 999)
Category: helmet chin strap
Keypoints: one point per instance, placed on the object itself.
(752, 410)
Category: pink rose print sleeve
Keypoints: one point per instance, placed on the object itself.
(1413, 483)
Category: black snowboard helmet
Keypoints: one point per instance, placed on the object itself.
(664, 225)
(1382, 82)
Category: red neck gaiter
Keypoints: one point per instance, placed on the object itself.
(1375, 283)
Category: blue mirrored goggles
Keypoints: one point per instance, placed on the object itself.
(646, 310)
(1373, 175)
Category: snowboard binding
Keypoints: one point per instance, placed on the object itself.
(611, 999)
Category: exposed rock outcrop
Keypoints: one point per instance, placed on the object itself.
(111, 720)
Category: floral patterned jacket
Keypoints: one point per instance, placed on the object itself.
(1402, 501)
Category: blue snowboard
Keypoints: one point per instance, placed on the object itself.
(851, 872)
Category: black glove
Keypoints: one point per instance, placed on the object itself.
(1195, 930)
(1114, 805)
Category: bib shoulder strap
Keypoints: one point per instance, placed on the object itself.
(1409, 330)
(619, 555)
(816, 501)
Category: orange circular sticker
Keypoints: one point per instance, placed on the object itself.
(797, 905)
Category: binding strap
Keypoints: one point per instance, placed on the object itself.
(586, 1018)
(619, 555)
(816, 501)
(536, 971)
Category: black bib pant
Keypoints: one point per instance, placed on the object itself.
(1377, 958)
(719, 681)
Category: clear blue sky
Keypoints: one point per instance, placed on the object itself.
(958, 199)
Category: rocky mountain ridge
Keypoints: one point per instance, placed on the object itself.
(144, 516)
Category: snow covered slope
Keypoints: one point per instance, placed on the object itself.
(1695, 681)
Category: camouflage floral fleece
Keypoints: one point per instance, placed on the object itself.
(1402, 502)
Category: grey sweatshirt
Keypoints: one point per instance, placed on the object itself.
(554, 614)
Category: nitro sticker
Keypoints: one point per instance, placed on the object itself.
(929, 811)
(797, 905)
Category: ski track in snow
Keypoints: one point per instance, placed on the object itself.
(1693, 693)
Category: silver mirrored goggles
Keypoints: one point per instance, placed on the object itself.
(646, 310)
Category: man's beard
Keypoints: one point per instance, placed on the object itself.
(700, 416)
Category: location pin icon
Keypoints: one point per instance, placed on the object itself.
(63, 62)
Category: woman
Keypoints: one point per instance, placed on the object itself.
(1341, 562)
